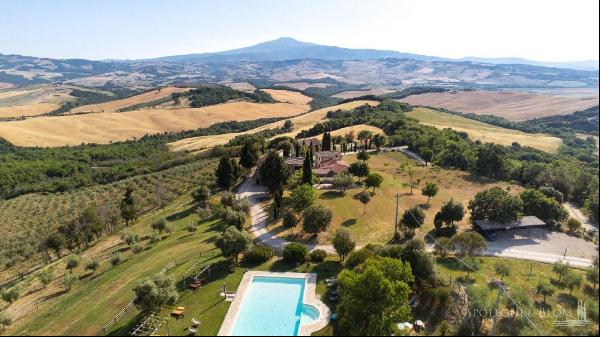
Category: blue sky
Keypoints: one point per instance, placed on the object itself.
(549, 30)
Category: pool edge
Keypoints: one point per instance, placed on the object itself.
(310, 298)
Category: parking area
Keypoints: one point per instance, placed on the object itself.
(542, 245)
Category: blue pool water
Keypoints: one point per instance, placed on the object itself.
(272, 306)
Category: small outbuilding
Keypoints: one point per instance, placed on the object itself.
(526, 222)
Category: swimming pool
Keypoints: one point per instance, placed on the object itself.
(269, 304)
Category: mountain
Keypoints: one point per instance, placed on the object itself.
(287, 48)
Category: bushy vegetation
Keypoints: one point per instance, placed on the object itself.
(84, 97)
(216, 95)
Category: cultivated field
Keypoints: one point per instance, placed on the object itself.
(287, 96)
(356, 129)
(107, 127)
(358, 93)
(33, 109)
(304, 85)
(34, 100)
(302, 122)
(114, 106)
(514, 106)
(376, 225)
(485, 132)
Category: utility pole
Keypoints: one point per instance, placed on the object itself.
(397, 205)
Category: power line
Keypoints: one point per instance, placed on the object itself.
(502, 288)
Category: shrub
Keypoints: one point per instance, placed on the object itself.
(72, 262)
(10, 295)
(573, 225)
(259, 254)
(191, 228)
(116, 259)
(154, 239)
(234, 218)
(129, 238)
(92, 265)
(137, 248)
(357, 258)
(295, 253)
(69, 281)
(318, 255)
(204, 213)
(290, 220)
(159, 225)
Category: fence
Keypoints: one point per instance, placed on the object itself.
(129, 305)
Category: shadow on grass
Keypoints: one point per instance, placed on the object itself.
(54, 295)
(181, 215)
(567, 300)
(330, 195)
(127, 327)
(349, 222)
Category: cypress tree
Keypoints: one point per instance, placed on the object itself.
(225, 174)
(248, 156)
(307, 170)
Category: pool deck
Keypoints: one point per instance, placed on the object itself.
(310, 298)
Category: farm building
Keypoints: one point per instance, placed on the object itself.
(526, 222)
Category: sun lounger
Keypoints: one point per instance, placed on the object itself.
(179, 312)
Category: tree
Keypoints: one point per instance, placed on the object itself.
(343, 243)
(373, 181)
(46, 276)
(518, 302)
(10, 295)
(497, 205)
(561, 268)
(248, 155)
(363, 156)
(69, 280)
(544, 288)
(502, 269)
(572, 280)
(438, 223)
(491, 161)
(129, 206)
(592, 276)
(364, 197)
(365, 136)
(159, 225)
(421, 262)
(316, 219)
(451, 212)
(302, 197)
(307, 170)
(342, 182)
(274, 172)
(379, 141)
(430, 190)
(288, 124)
(470, 264)
(443, 246)
(375, 298)
(573, 225)
(295, 253)
(233, 242)
(426, 155)
(290, 221)
(5, 321)
(152, 294)
(225, 174)
(359, 169)
(92, 265)
(413, 218)
(536, 203)
(72, 262)
(468, 243)
(409, 169)
(234, 218)
(56, 242)
(201, 195)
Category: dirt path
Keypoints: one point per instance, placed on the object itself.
(574, 212)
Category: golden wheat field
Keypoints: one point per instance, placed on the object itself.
(33, 109)
(356, 129)
(302, 122)
(514, 106)
(287, 96)
(114, 106)
(106, 127)
(485, 132)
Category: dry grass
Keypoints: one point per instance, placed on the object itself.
(241, 86)
(514, 106)
(305, 85)
(33, 109)
(286, 96)
(107, 127)
(376, 225)
(356, 129)
(114, 106)
(302, 122)
(485, 132)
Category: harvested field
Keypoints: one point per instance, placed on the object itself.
(514, 106)
(485, 132)
(356, 129)
(119, 126)
(286, 96)
(358, 93)
(33, 109)
(114, 106)
(241, 86)
(302, 122)
(304, 85)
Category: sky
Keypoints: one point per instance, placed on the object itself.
(543, 30)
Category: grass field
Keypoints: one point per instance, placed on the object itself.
(485, 132)
(114, 106)
(103, 128)
(302, 122)
(377, 223)
(33, 109)
(514, 106)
